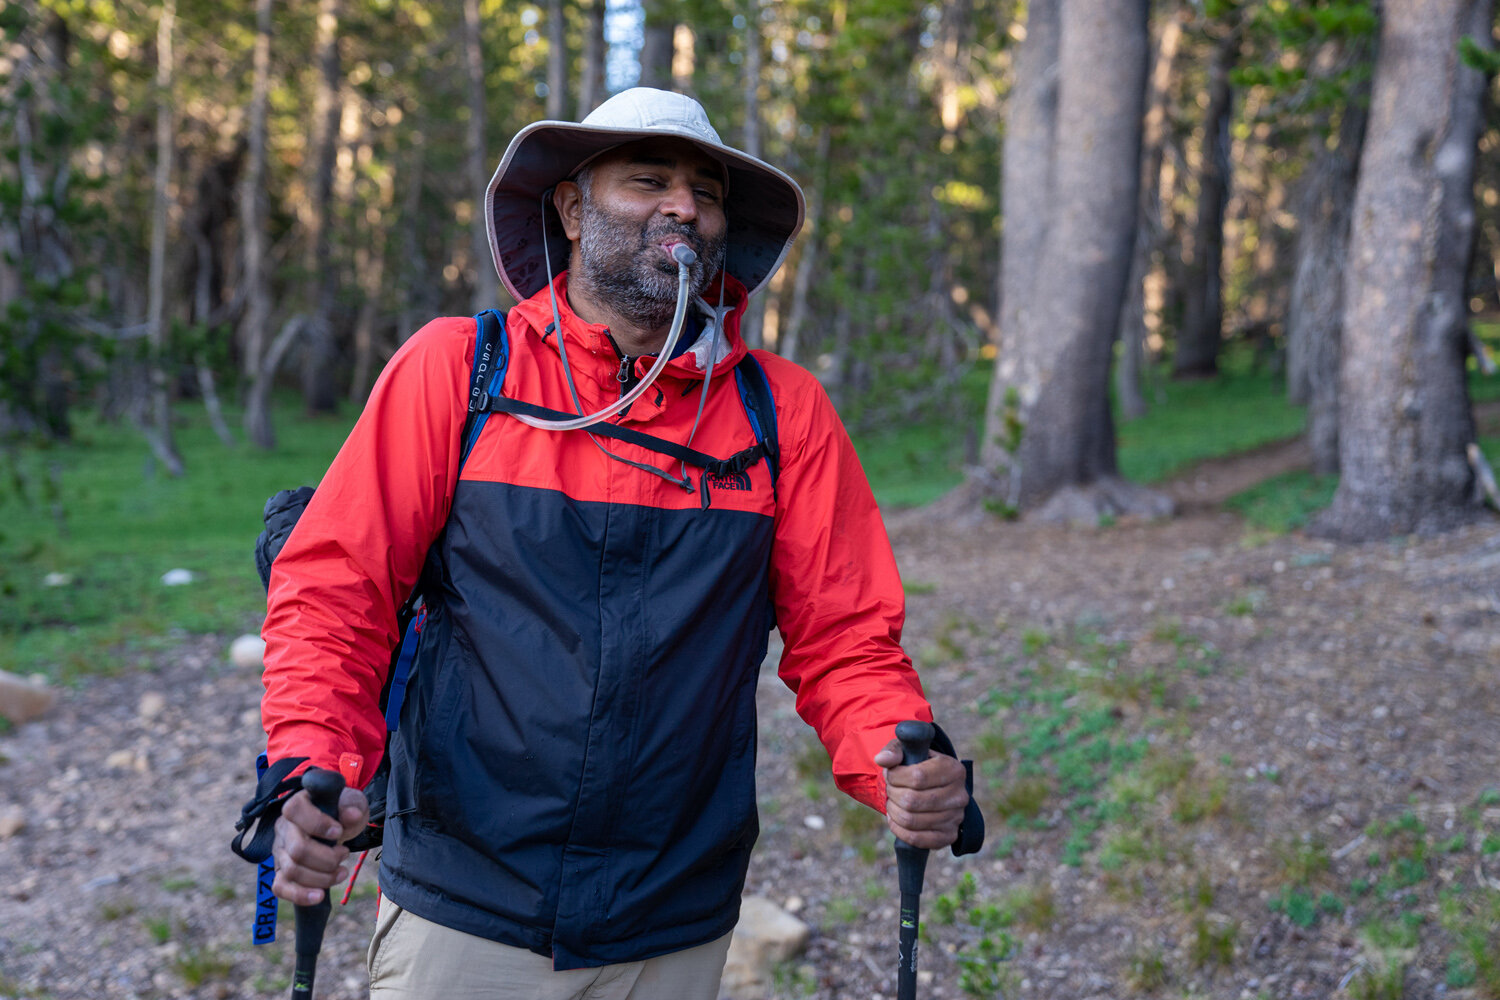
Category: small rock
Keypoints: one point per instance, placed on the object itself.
(57, 579)
(12, 821)
(152, 704)
(120, 760)
(813, 822)
(794, 904)
(248, 652)
(22, 700)
(765, 935)
(176, 577)
(250, 717)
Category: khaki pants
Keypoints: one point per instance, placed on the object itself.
(412, 958)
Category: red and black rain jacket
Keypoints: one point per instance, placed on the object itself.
(574, 768)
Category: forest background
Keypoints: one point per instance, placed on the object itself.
(1056, 254)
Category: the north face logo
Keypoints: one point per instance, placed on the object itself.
(731, 481)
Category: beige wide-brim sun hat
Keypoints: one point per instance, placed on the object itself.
(764, 206)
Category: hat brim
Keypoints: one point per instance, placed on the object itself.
(764, 207)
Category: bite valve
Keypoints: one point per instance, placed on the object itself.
(683, 254)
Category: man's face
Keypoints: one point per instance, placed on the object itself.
(634, 205)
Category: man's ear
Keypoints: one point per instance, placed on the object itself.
(568, 200)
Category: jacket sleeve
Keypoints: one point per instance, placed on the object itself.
(838, 596)
(356, 553)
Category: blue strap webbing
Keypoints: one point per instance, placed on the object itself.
(760, 407)
(401, 672)
(263, 931)
(491, 357)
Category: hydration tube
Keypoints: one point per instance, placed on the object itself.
(685, 257)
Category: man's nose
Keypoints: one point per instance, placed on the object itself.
(679, 203)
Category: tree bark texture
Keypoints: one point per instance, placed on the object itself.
(41, 243)
(557, 61)
(591, 79)
(752, 326)
(656, 44)
(1315, 314)
(486, 279)
(255, 273)
(1054, 364)
(159, 424)
(1131, 370)
(319, 392)
(1026, 193)
(1404, 411)
(1203, 307)
(789, 344)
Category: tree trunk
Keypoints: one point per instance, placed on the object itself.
(1202, 330)
(255, 272)
(369, 269)
(683, 58)
(1026, 193)
(486, 279)
(752, 324)
(319, 393)
(1404, 411)
(789, 343)
(1314, 316)
(159, 423)
(591, 82)
(1148, 234)
(1054, 366)
(557, 61)
(656, 44)
(414, 280)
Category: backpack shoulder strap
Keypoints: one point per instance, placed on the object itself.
(760, 406)
(491, 357)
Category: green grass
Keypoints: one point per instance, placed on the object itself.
(1483, 388)
(1284, 502)
(118, 526)
(1236, 411)
(917, 462)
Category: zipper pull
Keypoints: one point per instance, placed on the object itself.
(625, 365)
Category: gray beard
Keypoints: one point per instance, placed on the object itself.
(620, 263)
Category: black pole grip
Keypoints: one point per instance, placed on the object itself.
(911, 865)
(324, 788)
(916, 741)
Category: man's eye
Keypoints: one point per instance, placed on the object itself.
(708, 195)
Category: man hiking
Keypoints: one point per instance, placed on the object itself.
(571, 802)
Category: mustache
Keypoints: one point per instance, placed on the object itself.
(687, 233)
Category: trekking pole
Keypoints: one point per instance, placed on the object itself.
(911, 864)
(324, 788)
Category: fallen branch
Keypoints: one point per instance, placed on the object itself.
(1481, 353)
(1484, 476)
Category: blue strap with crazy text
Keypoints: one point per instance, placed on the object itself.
(264, 929)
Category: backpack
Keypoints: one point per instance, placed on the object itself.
(255, 834)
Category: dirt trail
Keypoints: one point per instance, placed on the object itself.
(1306, 690)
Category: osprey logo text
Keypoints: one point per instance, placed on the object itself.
(731, 481)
